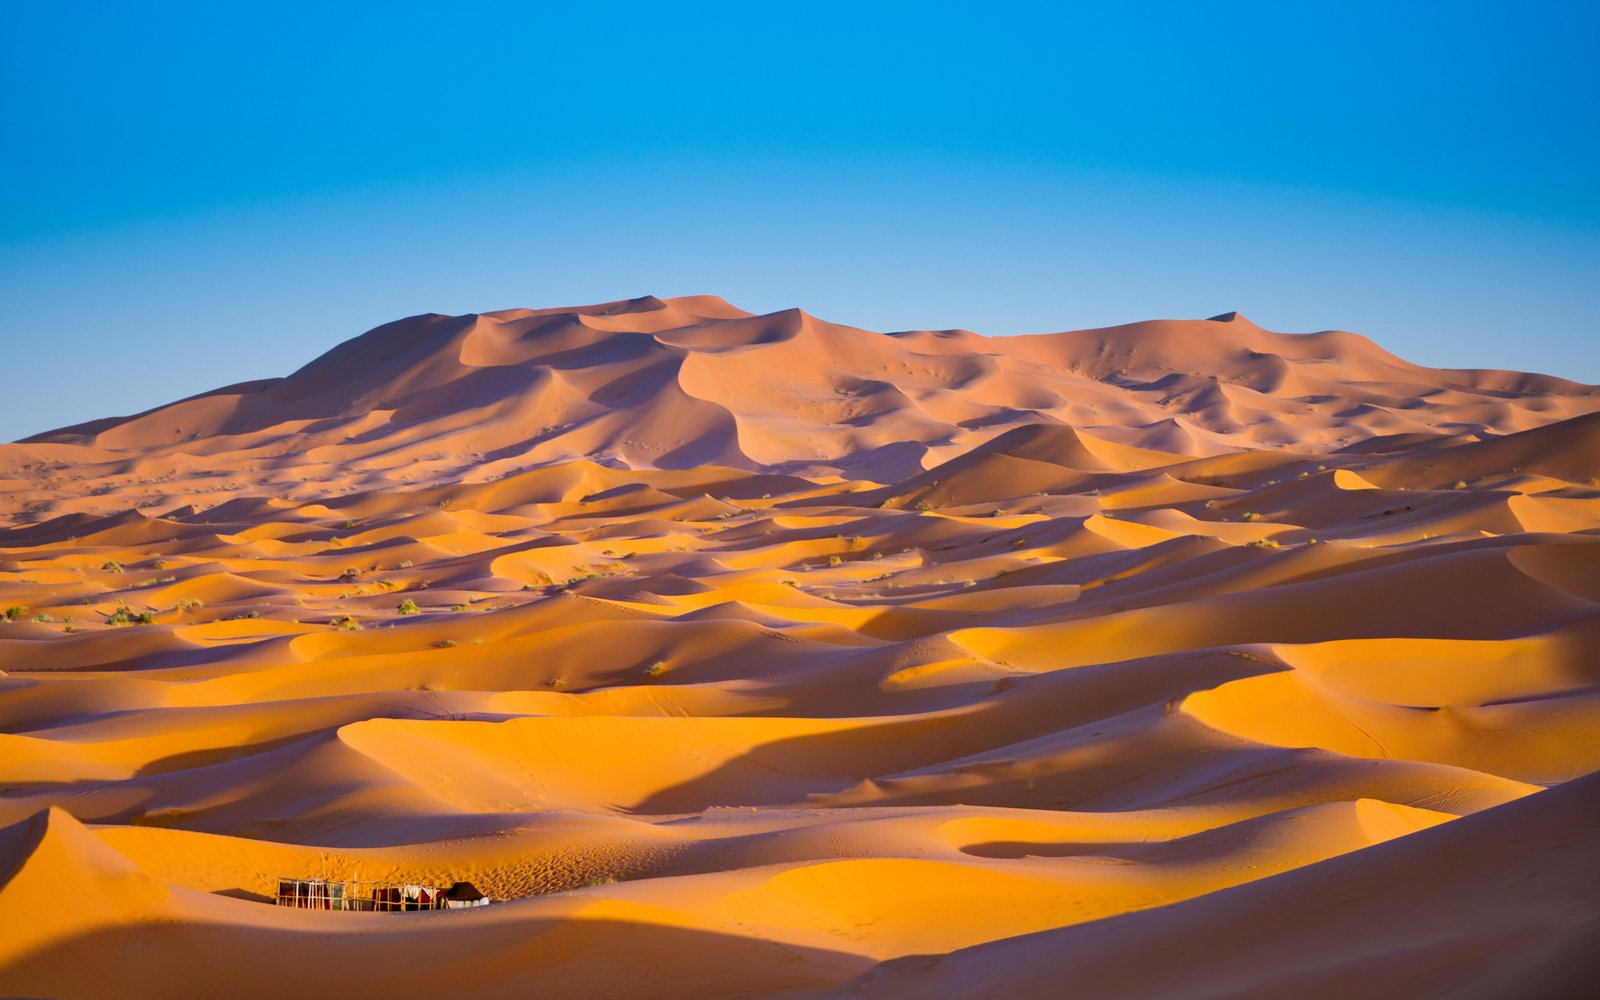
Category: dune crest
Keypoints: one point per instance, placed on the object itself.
(677, 383)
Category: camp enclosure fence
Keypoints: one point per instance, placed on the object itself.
(326, 894)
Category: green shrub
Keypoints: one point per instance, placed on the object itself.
(14, 612)
(111, 566)
(407, 607)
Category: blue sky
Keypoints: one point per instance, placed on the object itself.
(194, 195)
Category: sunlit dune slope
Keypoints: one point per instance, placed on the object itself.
(739, 655)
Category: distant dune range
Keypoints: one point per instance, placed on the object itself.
(746, 655)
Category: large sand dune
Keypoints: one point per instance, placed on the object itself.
(738, 655)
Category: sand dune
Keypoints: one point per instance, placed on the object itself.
(743, 654)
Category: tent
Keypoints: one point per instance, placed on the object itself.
(463, 895)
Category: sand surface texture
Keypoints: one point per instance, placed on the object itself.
(743, 655)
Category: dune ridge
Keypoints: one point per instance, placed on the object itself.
(687, 382)
(743, 654)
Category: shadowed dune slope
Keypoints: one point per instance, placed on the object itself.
(1495, 905)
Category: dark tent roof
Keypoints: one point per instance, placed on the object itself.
(463, 891)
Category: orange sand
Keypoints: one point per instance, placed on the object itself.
(757, 654)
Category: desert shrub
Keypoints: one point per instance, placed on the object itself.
(555, 682)
(445, 644)
(835, 560)
(14, 612)
(121, 616)
(1461, 484)
(656, 669)
(188, 603)
(145, 618)
(1263, 543)
(1250, 516)
(346, 624)
(407, 607)
(111, 566)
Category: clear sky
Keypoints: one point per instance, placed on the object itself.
(198, 194)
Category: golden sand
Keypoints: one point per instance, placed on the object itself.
(740, 654)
